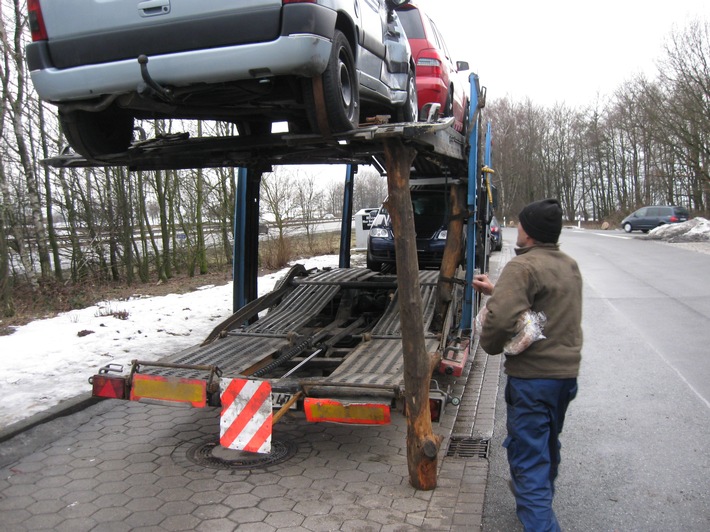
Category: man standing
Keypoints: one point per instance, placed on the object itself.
(542, 380)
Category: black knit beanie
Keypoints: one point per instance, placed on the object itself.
(542, 220)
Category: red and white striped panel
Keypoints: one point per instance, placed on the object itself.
(246, 418)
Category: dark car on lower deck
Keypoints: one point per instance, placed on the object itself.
(430, 207)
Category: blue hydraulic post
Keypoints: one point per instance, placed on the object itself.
(239, 257)
(346, 228)
(467, 310)
(487, 156)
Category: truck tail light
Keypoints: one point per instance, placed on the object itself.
(39, 31)
(438, 399)
(436, 406)
(108, 386)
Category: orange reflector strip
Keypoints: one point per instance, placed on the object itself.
(173, 389)
(318, 410)
(108, 387)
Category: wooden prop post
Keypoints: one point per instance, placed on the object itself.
(422, 443)
(453, 253)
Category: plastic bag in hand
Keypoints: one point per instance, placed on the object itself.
(529, 330)
(530, 326)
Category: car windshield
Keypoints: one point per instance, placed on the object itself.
(429, 208)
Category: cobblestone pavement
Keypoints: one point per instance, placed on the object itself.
(120, 465)
(133, 466)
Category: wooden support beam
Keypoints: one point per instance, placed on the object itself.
(453, 253)
(422, 444)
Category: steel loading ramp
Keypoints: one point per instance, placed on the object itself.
(377, 364)
(240, 348)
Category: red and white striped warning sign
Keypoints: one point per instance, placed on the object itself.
(245, 422)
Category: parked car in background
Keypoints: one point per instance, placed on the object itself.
(438, 78)
(430, 208)
(647, 218)
(251, 62)
(496, 235)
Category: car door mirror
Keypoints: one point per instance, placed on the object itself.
(462, 66)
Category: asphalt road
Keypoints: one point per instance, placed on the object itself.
(635, 453)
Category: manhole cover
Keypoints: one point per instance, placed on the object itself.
(213, 455)
(468, 448)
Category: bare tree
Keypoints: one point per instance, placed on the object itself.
(15, 100)
(277, 198)
(308, 200)
(682, 101)
(370, 189)
(333, 198)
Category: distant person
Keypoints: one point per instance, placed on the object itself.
(542, 379)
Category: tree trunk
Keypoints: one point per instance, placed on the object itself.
(79, 267)
(226, 208)
(199, 225)
(112, 228)
(144, 228)
(201, 251)
(163, 264)
(422, 443)
(49, 202)
(96, 240)
(7, 306)
(15, 230)
(124, 196)
(15, 101)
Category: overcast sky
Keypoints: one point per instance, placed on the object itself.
(560, 51)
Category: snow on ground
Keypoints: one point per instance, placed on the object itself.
(50, 360)
(694, 230)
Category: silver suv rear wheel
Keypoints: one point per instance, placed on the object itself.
(97, 134)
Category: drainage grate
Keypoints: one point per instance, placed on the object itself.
(468, 447)
(214, 456)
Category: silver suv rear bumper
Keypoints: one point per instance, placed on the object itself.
(300, 55)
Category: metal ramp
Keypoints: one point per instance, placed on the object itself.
(242, 348)
(374, 367)
(378, 364)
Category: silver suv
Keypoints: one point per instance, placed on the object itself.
(319, 65)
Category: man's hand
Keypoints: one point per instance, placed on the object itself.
(481, 283)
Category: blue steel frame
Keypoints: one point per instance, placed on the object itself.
(471, 205)
(238, 263)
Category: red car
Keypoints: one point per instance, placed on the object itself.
(438, 80)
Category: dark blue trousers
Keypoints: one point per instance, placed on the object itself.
(536, 413)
